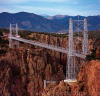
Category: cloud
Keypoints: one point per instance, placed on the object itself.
(46, 10)
(38, 8)
(54, 11)
(75, 3)
(88, 6)
(60, 10)
(98, 1)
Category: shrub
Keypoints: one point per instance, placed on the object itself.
(27, 73)
(81, 85)
(6, 46)
(33, 38)
(2, 51)
(92, 56)
(32, 53)
(1, 34)
(33, 46)
(21, 42)
(5, 41)
(2, 45)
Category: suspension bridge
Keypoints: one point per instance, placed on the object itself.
(70, 66)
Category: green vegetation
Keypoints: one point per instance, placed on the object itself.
(33, 38)
(2, 41)
(92, 56)
(55, 35)
(1, 34)
(94, 34)
(33, 54)
(81, 85)
(6, 47)
(33, 46)
(91, 34)
(5, 41)
(21, 42)
(2, 46)
(27, 73)
(78, 34)
(98, 44)
(2, 51)
(4, 30)
(25, 33)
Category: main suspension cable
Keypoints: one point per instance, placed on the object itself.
(62, 26)
(93, 25)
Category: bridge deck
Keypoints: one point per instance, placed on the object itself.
(52, 47)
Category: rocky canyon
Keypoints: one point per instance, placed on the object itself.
(24, 69)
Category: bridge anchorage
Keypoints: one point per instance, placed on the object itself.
(71, 53)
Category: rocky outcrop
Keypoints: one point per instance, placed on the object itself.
(88, 83)
(98, 54)
(26, 72)
(23, 70)
(5, 78)
(61, 89)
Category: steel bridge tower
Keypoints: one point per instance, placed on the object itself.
(70, 68)
(85, 38)
(70, 74)
(13, 32)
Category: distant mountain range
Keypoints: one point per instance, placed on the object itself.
(45, 15)
(56, 17)
(42, 23)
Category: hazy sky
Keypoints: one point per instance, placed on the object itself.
(52, 7)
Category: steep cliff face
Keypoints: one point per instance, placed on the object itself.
(5, 78)
(61, 89)
(62, 42)
(88, 83)
(51, 54)
(26, 72)
(23, 71)
(88, 80)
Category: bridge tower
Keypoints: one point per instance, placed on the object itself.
(85, 38)
(70, 72)
(13, 32)
(70, 68)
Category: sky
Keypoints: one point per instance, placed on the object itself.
(52, 7)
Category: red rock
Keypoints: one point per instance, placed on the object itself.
(88, 80)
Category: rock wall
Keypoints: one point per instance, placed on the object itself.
(28, 71)
(23, 70)
(88, 83)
